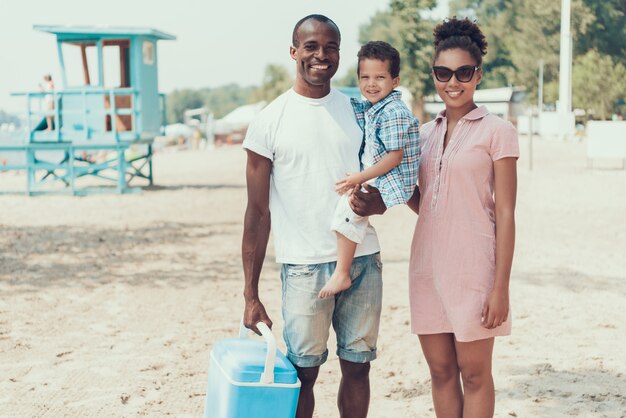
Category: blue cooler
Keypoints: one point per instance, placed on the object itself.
(251, 379)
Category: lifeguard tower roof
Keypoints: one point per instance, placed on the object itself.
(107, 102)
(62, 31)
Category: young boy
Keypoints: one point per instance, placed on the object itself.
(390, 153)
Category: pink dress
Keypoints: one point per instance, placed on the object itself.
(452, 266)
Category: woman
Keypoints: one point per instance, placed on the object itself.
(463, 244)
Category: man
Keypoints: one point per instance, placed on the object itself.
(298, 147)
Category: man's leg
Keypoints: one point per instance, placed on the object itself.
(306, 399)
(356, 321)
(353, 399)
(307, 325)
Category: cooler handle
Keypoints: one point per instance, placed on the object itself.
(267, 377)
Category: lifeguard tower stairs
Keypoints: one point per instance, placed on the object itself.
(105, 116)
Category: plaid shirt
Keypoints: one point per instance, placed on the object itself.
(389, 125)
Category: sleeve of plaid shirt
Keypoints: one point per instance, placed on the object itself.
(359, 107)
(394, 128)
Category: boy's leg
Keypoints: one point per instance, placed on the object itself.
(340, 280)
(350, 229)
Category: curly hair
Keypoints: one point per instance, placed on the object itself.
(460, 33)
(382, 51)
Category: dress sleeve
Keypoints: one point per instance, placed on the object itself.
(259, 139)
(504, 142)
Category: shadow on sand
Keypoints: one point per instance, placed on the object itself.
(175, 253)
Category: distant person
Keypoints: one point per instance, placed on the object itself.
(463, 245)
(48, 87)
(390, 154)
(297, 147)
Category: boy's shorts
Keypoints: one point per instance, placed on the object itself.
(354, 313)
(348, 223)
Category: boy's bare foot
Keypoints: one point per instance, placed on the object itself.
(337, 283)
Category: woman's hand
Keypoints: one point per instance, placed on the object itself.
(496, 309)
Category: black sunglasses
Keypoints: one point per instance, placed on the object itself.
(463, 74)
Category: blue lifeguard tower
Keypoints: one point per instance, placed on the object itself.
(105, 116)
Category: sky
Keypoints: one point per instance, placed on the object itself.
(218, 42)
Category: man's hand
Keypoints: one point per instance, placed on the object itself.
(368, 202)
(254, 313)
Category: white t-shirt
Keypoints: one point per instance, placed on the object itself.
(312, 143)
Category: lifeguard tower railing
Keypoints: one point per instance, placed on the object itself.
(72, 149)
(99, 138)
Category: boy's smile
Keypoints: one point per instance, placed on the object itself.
(375, 81)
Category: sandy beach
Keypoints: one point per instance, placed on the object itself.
(110, 303)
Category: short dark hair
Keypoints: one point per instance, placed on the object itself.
(460, 33)
(379, 50)
(320, 18)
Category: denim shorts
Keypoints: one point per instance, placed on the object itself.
(354, 313)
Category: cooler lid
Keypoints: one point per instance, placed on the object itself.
(243, 361)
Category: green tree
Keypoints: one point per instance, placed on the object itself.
(403, 26)
(275, 82)
(180, 100)
(521, 33)
(220, 100)
(598, 83)
(349, 80)
(606, 30)
(9, 118)
(415, 48)
(383, 26)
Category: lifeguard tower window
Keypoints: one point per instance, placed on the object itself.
(83, 70)
(116, 74)
(75, 54)
(116, 63)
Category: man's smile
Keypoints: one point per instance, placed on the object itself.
(320, 66)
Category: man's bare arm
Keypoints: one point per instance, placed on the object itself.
(256, 232)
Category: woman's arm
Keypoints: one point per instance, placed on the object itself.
(496, 309)
(414, 201)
